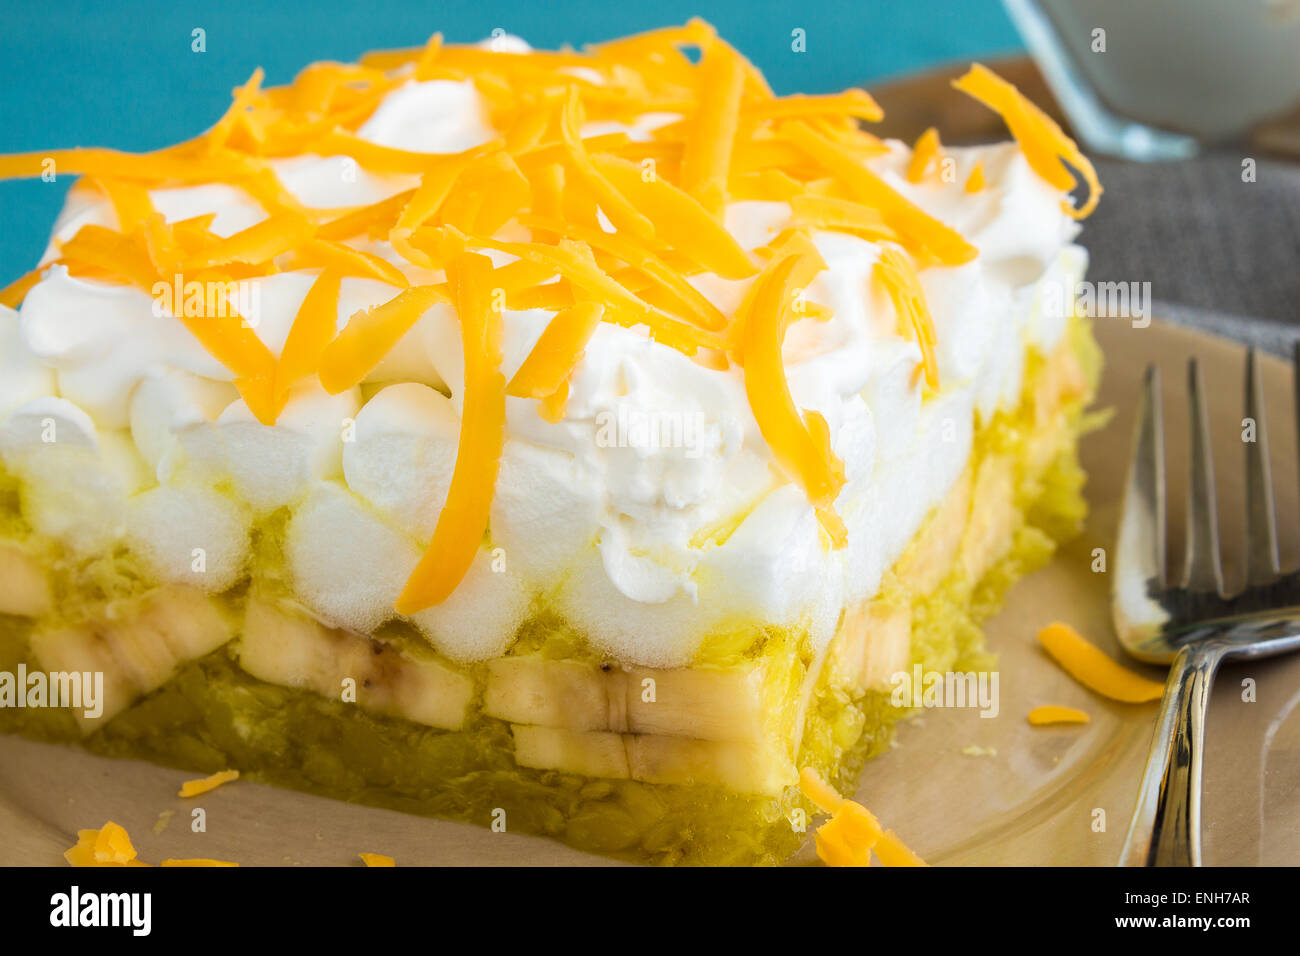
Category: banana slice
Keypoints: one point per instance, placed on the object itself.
(708, 703)
(754, 767)
(572, 695)
(590, 753)
(137, 645)
(747, 767)
(24, 584)
(280, 644)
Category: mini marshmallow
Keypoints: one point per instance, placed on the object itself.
(402, 456)
(165, 404)
(479, 620)
(271, 466)
(545, 512)
(45, 422)
(346, 563)
(75, 478)
(189, 534)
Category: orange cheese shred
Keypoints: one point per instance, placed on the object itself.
(110, 845)
(688, 302)
(1056, 714)
(855, 103)
(244, 96)
(377, 860)
(679, 220)
(827, 212)
(975, 182)
(347, 261)
(464, 519)
(198, 862)
(574, 261)
(1090, 666)
(314, 327)
(435, 186)
(371, 333)
(706, 162)
(891, 851)
(256, 244)
(559, 349)
(899, 277)
(124, 257)
(130, 202)
(13, 294)
(1044, 143)
(925, 154)
(373, 221)
(621, 213)
(917, 228)
(192, 788)
(800, 442)
(428, 58)
(852, 833)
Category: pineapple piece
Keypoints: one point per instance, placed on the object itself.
(282, 645)
(24, 584)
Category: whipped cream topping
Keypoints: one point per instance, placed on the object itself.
(651, 516)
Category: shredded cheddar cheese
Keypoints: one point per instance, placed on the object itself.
(197, 862)
(463, 521)
(904, 288)
(1056, 714)
(714, 126)
(1044, 143)
(975, 181)
(377, 859)
(800, 442)
(110, 846)
(608, 228)
(1087, 664)
(192, 788)
(925, 155)
(548, 366)
(852, 833)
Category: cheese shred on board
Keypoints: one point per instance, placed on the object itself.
(852, 833)
(1090, 666)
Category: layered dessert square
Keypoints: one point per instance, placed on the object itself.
(575, 441)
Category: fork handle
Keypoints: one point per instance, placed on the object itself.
(1166, 826)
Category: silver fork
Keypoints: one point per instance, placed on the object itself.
(1195, 624)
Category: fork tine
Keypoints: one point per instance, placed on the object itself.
(1202, 570)
(1141, 553)
(1262, 564)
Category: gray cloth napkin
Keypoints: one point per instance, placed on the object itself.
(1220, 253)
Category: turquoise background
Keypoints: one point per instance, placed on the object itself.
(123, 75)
